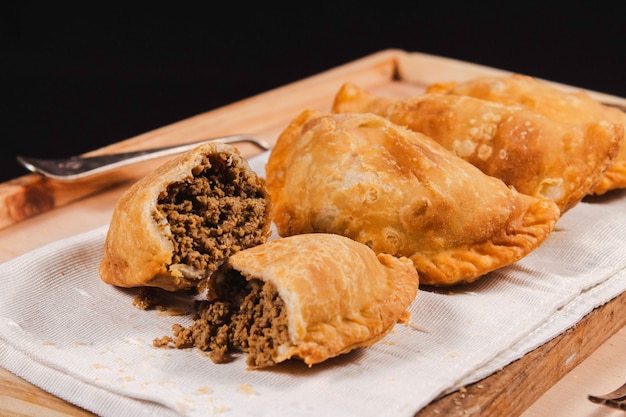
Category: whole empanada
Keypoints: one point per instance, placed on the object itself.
(552, 102)
(400, 192)
(310, 296)
(179, 223)
(537, 155)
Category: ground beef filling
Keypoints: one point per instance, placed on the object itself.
(220, 211)
(246, 316)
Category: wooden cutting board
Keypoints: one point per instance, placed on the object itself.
(35, 211)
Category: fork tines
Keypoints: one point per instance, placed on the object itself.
(615, 399)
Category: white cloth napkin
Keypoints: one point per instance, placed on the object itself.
(64, 330)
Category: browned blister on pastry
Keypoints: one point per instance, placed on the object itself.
(537, 155)
(179, 223)
(550, 101)
(400, 192)
(310, 296)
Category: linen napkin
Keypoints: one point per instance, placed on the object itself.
(64, 330)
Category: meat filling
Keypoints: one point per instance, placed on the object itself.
(217, 212)
(244, 315)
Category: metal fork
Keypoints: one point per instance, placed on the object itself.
(77, 167)
(615, 399)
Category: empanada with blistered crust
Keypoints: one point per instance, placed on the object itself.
(552, 102)
(310, 296)
(400, 192)
(537, 155)
(178, 224)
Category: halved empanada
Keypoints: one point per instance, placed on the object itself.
(537, 155)
(399, 192)
(312, 296)
(552, 102)
(179, 223)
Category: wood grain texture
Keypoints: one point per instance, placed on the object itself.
(34, 211)
(19, 398)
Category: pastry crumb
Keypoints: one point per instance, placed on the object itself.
(246, 389)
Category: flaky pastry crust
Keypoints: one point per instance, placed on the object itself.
(537, 155)
(178, 224)
(399, 192)
(550, 101)
(338, 294)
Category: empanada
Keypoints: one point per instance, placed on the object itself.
(310, 296)
(537, 155)
(400, 192)
(179, 223)
(552, 102)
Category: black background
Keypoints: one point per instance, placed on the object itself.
(77, 78)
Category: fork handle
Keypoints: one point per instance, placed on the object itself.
(117, 160)
(30, 195)
(78, 167)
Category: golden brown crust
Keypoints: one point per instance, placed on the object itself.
(401, 193)
(537, 155)
(539, 96)
(139, 248)
(338, 293)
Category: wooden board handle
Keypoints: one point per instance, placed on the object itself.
(30, 195)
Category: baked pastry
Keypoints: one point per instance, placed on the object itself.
(178, 224)
(310, 296)
(537, 155)
(550, 101)
(400, 192)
